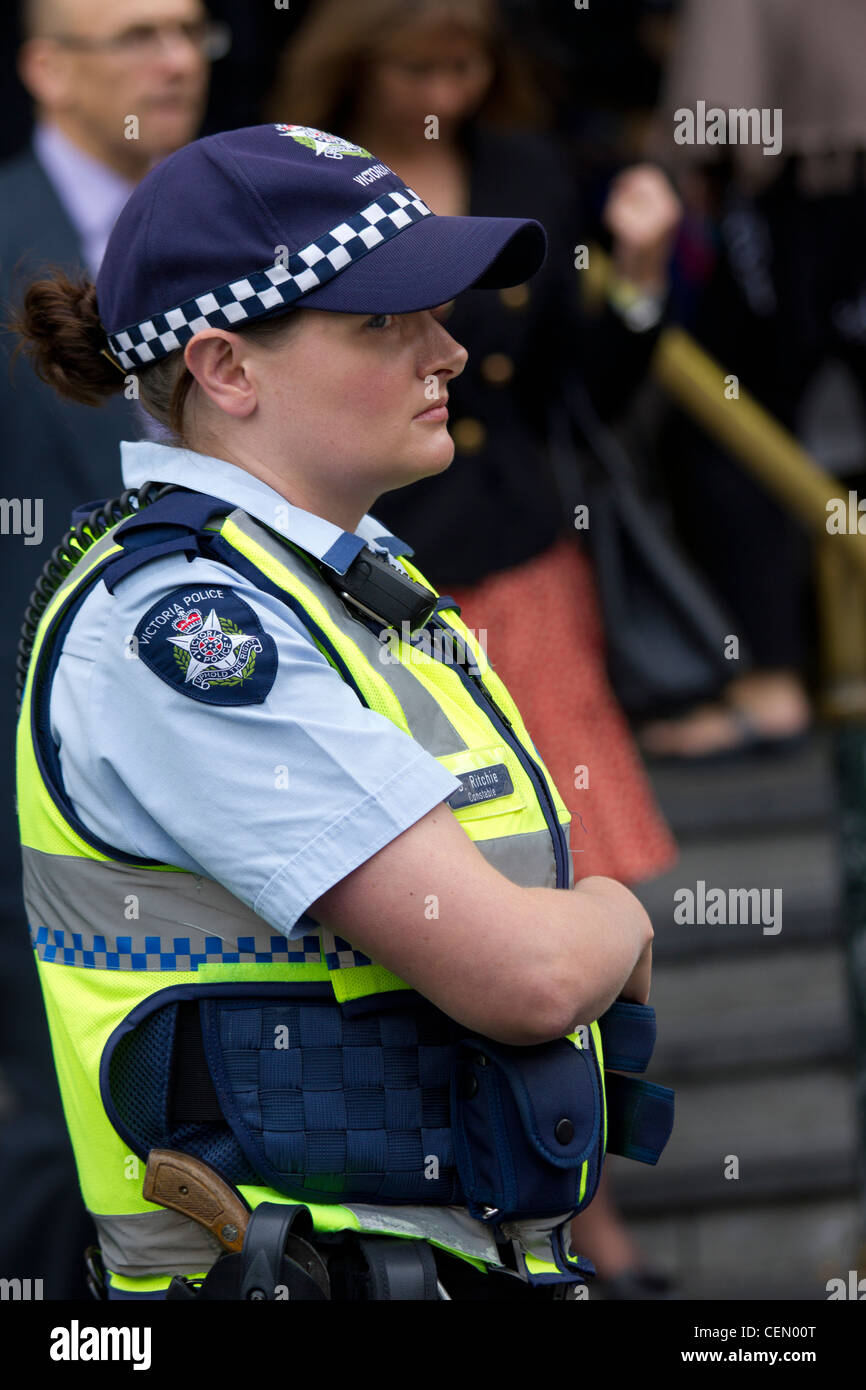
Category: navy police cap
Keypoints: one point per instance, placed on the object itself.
(246, 223)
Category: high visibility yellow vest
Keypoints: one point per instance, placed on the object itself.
(109, 974)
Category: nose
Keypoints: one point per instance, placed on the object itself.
(446, 354)
(175, 51)
(446, 95)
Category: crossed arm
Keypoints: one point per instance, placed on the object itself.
(520, 965)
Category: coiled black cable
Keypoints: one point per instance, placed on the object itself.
(65, 556)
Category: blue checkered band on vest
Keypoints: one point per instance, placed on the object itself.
(343, 956)
(264, 290)
(167, 953)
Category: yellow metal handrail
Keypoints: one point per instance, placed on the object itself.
(697, 383)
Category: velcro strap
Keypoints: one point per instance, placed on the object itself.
(190, 510)
(628, 1035)
(170, 524)
(125, 564)
(640, 1117)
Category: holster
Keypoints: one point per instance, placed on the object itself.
(278, 1263)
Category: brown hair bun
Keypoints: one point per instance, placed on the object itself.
(59, 329)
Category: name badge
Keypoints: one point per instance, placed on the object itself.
(482, 784)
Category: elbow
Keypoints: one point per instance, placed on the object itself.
(548, 1012)
(562, 1005)
(533, 1016)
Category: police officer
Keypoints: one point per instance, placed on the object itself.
(294, 868)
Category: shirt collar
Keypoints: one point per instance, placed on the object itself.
(144, 461)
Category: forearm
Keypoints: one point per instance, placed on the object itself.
(599, 942)
(637, 987)
(521, 965)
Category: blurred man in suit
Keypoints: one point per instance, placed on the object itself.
(116, 88)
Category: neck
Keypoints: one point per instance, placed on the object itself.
(127, 158)
(399, 141)
(317, 496)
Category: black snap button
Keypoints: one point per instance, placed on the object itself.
(468, 1083)
(564, 1132)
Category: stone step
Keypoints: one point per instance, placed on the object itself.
(803, 865)
(748, 1012)
(762, 790)
(785, 1251)
(797, 1177)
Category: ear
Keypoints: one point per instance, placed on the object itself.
(219, 362)
(43, 71)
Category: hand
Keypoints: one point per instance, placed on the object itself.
(642, 213)
(637, 987)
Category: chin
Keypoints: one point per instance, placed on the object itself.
(414, 471)
(170, 129)
(436, 461)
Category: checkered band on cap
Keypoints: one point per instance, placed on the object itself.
(262, 291)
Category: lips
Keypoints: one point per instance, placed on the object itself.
(435, 405)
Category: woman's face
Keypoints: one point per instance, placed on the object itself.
(438, 69)
(339, 401)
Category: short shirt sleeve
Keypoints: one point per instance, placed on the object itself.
(225, 743)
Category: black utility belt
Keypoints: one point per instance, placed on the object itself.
(284, 1259)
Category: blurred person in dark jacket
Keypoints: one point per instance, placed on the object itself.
(439, 92)
(116, 88)
(785, 217)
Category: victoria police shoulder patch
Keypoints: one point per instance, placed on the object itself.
(209, 644)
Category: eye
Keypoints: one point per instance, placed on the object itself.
(139, 34)
(376, 321)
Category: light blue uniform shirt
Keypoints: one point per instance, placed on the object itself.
(277, 801)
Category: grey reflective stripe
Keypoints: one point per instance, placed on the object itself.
(526, 859)
(534, 1237)
(109, 915)
(452, 1227)
(77, 909)
(150, 1243)
(426, 719)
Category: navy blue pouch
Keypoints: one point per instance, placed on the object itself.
(337, 1102)
(527, 1127)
